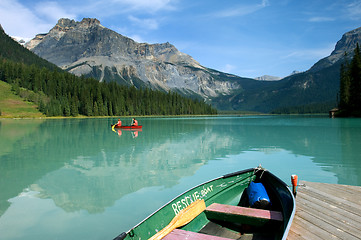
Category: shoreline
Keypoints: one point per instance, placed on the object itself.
(164, 116)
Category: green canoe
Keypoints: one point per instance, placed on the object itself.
(228, 214)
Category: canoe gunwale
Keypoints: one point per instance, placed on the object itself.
(189, 190)
(290, 220)
(230, 175)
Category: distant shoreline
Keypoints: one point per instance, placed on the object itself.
(166, 116)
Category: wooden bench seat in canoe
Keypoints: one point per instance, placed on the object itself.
(178, 234)
(251, 216)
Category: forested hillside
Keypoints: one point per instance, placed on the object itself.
(350, 86)
(9, 49)
(63, 94)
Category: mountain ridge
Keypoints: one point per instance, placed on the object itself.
(59, 93)
(87, 48)
(317, 86)
(346, 44)
(268, 78)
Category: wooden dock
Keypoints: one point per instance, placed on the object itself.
(327, 211)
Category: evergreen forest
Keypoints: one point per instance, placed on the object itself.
(350, 86)
(59, 93)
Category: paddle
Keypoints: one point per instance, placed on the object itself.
(182, 218)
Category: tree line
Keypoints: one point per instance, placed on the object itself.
(313, 108)
(64, 94)
(350, 86)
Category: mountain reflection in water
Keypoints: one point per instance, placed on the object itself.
(82, 165)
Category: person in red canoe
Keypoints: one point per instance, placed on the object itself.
(119, 123)
(135, 122)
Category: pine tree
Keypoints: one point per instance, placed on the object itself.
(74, 109)
(344, 85)
(63, 94)
(355, 86)
(350, 86)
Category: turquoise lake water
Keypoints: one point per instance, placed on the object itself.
(78, 179)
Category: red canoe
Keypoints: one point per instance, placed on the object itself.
(128, 127)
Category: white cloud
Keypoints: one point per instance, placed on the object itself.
(148, 23)
(354, 10)
(52, 11)
(317, 53)
(321, 19)
(137, 38)
(228, 68)
(17, 20)
(146, 5)
(243, 10)
(27, 20)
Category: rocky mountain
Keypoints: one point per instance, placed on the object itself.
(295, 72)
(90, 49)
(316, 88)
(267, 78)
(346, 44)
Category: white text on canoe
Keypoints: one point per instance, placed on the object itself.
(188, 199)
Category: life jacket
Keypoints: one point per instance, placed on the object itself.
(119, 123)
(135, 123)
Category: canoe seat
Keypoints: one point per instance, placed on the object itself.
(251, 216)
(178, 234)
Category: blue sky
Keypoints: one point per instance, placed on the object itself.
(249, 38)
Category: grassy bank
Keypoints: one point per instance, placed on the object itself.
(13, 106)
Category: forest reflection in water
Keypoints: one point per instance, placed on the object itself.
(82, 168)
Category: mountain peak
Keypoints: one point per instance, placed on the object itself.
(346, 44)
(90, 21)
(65, 24)
(88, 48)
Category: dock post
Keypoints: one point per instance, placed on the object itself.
(294, 179)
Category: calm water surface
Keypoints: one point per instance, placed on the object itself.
(78, 179)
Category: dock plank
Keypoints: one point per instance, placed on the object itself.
(347, 218)
(298, 229)
(321, 221)
(337, 199)
(327, 211)
(348, 193)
